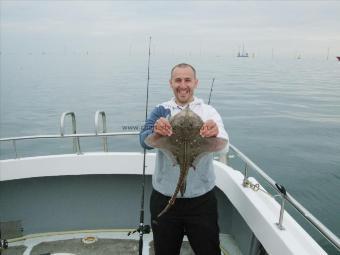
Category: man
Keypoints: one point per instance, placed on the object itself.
(194, 214)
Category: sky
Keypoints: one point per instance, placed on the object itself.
(286, 28)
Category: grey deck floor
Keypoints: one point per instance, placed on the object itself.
(17, 250)
(105, 246)
(101, 247)
(75, 246)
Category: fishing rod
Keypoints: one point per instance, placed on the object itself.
(144, 229)
(211, 88)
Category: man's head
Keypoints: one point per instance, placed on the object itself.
(183, 83)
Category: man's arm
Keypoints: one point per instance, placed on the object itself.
(148, 129)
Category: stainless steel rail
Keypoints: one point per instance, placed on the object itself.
(96, 124)
(76, 142)
(8, 139)
(331, 237)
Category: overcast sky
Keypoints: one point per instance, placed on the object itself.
(204, 27)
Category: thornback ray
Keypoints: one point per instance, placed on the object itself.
(184, 147)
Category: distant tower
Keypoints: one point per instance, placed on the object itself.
(242, 54)
(327, 57)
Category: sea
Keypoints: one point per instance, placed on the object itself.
(282, 112)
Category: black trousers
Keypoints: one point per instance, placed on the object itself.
(194, 217)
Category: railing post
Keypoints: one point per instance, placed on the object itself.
(96, 118)
(76, 143)
(15, 149)
(283, 197)
(279, 224)
(245, 179)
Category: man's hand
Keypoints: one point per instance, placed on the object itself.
(209, 129)
(163, 127)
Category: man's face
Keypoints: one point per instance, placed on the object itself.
(183, 84)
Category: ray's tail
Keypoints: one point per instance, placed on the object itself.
(167, 207)
(181, 182)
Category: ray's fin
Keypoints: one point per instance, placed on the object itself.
(211, 144)
(162, 143)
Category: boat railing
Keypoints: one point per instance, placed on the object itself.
(76, 143)
(281, 191)
(285, 196)
(96, 124)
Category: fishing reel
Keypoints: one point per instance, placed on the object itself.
(145, 229)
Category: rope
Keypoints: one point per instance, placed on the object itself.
(255, 187)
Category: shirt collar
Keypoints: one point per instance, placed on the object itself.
(197, 101)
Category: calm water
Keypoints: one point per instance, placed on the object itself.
(283, 114)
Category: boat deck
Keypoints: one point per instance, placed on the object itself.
(101, 190)
(107, 243)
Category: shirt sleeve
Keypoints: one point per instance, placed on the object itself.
(148, 128)
(222, 133)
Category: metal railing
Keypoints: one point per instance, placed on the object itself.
(76, 143)
(96, 124)
(285, 196)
